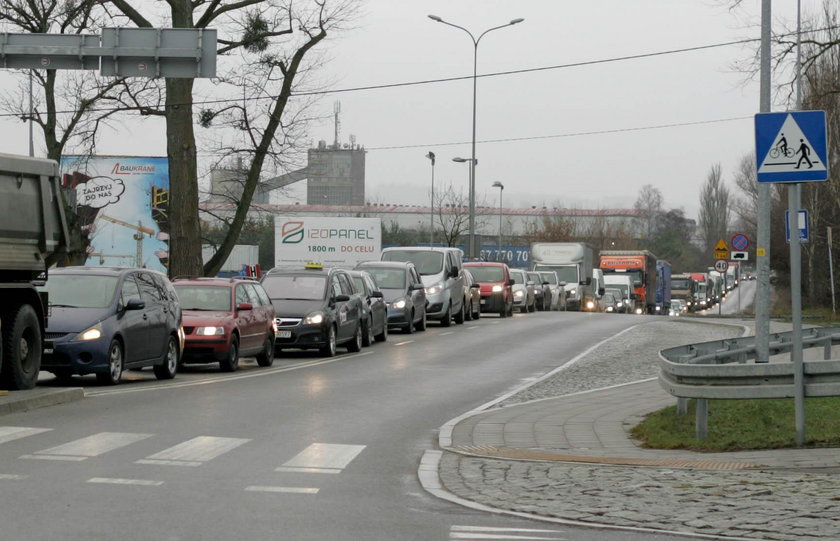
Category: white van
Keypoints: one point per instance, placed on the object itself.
(441, 272)
(593, 304)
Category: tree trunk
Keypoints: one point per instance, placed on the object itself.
(185, 238)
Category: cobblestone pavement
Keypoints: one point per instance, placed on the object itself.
(777, 504)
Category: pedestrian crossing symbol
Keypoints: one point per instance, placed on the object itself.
(791, 147)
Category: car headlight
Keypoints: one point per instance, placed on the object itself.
(434, 289)
(658, 308)
(572, 292)
(315, 318)
(93, 333)
(210, 331)
(518, 293)
(398, 304)
(590, 305)
(619, 304)
(609, 308)
(497, 288)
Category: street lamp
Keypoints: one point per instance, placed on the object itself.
(473, 162)
(501, 188)
(431, 156)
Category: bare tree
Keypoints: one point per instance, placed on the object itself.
(452, 214)
(714, 208)
(649, 204)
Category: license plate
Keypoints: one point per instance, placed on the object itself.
(48, 350)
(483, 301)
(284, 334)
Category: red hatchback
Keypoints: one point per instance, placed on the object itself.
(225, 318)
(495, 285)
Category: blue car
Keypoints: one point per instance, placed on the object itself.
(103, 320)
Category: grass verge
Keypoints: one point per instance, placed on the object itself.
(739, 425)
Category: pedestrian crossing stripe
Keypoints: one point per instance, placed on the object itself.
(791, 147)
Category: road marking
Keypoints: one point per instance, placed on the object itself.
(285, 490)
(9, 433)
(194, 452)
(445, 333)
(474, 327)
(486, 532)
(286, 469)
(11, 476)
(117, 481)
(89, 447)
(404, 343)
(324, 456)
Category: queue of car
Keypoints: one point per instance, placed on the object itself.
(106, 320)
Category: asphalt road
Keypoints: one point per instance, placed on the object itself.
(311, 448)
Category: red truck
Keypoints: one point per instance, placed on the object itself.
(641, 266)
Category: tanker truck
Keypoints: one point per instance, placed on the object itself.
(32, 229)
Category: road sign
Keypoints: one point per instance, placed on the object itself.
(804, 230)
(721, 265)
(50, 51)
(791, 147)
(740, 242)
(159, 52)
(721, 251)
(739, 256)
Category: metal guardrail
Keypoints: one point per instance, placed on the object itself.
(720, 369)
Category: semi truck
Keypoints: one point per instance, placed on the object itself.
(641, 266)
(663, 287)
(702, 291)
(573, 262)
(684, 287)
(33, 229)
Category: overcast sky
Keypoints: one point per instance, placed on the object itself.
(571, 136)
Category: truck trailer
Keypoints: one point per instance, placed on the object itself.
(32, 229)
(641, 266)
(573, 262)
(684, 287)
(663, 287)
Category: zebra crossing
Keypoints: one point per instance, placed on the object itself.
(317, 458)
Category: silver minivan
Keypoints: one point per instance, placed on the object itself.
(441, 270)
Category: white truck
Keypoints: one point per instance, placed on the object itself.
(573, 263)
(623, 282)
(331, 241)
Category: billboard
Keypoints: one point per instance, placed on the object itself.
(122, 202)
(333, 242)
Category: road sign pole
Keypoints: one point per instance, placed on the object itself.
(762, 264)
(796, 310)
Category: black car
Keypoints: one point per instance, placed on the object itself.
(375, 317)
(316, 307)
(103, 320)
(404, 292)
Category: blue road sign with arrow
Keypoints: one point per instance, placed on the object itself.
(791, 146)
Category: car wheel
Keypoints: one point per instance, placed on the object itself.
(115, 365)
(533, 306)
(477, 313)
(367, 336)
(421, 325)
(510, 310)
(266, 356)
(169, 368)
(409, 328)
(468, 313)
(231, 362)
(503, 311)
(523, 310)
(21, 353)
(328, 349)
(447, 317)
(460, 316)
(381, 337)
(355, 345)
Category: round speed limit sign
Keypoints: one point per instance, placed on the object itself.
(721, 265)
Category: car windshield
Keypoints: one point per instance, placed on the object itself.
(566, 273)
(295, 287)
(518, 277)
(194, 297)
(80, 291)
(680, 283)
(488, 274)
(549, 277)
(534, 277)
(427, 262)
(388, 278)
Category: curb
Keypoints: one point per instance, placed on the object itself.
(20, 401)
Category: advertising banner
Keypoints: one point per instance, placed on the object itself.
(123, 203)
(333, 242)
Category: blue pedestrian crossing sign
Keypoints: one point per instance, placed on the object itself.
(791, 146)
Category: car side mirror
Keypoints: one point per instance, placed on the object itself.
(633, 296)
(588, 282)
(454, 273)
(341, 298)
(475, 286)
(562, 284)
(243, 306)
(511, 282)
(377, 294)
(601, 291)
(546, 283)
(529, 283)
(135, 304)
(418, 287)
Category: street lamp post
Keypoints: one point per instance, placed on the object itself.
(431, 156)
(473, 161)
(501, 188)
(470, 239)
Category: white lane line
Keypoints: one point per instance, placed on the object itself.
(289, 469)
(325, 455)
(446, 333)
(492, 529)
(404, 343)
(54, 457)
(284, 490)
(9, 433)
(117, 481)
(474, 327)
(11, 476)
(194, 452)
(479, 535)
(90, 446)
